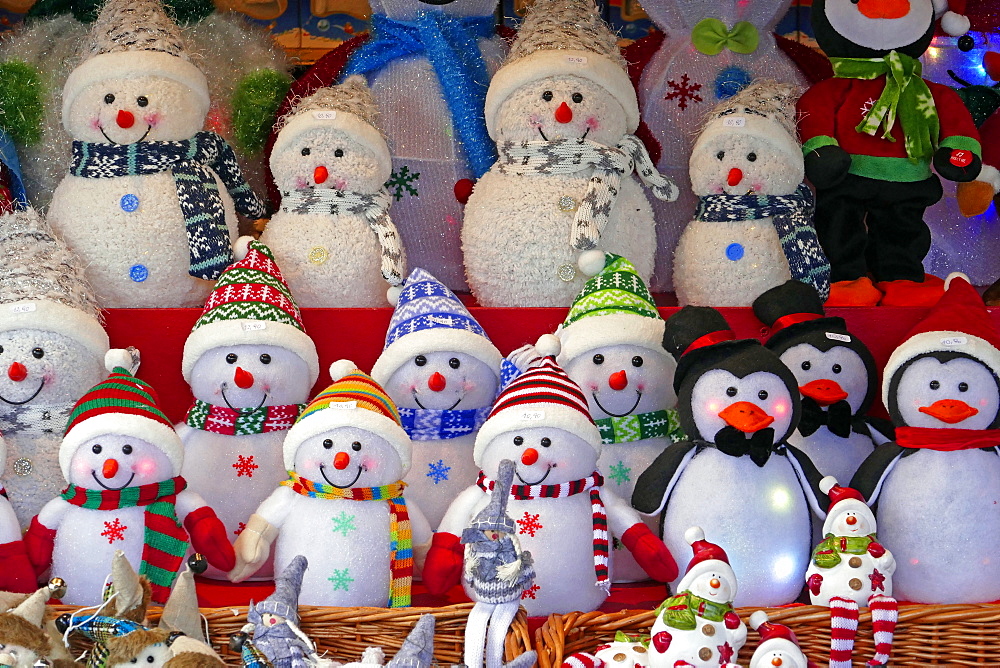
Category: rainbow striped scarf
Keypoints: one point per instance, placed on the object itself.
(400, 534)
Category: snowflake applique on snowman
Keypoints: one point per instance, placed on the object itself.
(778, 648)
(251, 366)
(698, 627)
(753, 227)
(150, 200)
(333, 234)
(562, 110)
(342, 506)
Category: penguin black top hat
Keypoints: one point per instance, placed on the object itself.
(698, 337)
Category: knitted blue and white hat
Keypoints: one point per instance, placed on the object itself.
(429, 318)
(284, 602)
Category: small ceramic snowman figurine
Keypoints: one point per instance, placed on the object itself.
(562, 110)
(149, 199)
(24, 640)
(778, 648)
(52, 348)
(753, 227)
(850, 568)
(333, 234)
(346, 457)
(565, 516)
(611, 345)
(738, 404)
(941, 390)
(250, 365)
(122, 460)
(699, 625)
(624, 652)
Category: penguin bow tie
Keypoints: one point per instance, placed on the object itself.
(838, 418)
(735, 443)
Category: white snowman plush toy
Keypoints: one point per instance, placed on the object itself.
(250, 365)
(698, 627)
(342, 506)
(333, 234)
(149, 199)
(564, 515)
(122, 460)
(611, 345)
(52, 348)
(562, 110)
(778, 648)
(753, 226)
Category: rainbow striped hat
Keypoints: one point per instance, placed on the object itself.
(353, 400)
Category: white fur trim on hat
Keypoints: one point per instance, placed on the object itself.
(130, 65)
(615, 329)
(124, 424)
(708, 566)
(556, 416)
(435, 340)
(557, 62)
(327, 419)
(50, 316)
(331, 119)
(222, 333)
(860, 507)
(757, 618)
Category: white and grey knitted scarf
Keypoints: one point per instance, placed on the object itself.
(373, 207)
(610, 163)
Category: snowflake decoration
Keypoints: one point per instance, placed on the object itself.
(878, 580)
(402, 183)
(343, 523)
(683, 92)
(529, 524)
(530, 592)
(620, 473)
(244, 466)
(114, 531)
(240, 528)
(867, 106)
(341, 579)
(437, 472)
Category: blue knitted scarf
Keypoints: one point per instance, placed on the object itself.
(450, 44)
(427, 424)
(191, 162)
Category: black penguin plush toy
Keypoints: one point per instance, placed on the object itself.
(736, 476)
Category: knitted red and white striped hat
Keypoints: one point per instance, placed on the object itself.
(542, 396)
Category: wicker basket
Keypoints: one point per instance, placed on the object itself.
(345, 632)
(927, 635)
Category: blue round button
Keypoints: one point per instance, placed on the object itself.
(734, 252)
(138, 273)
(129, 203)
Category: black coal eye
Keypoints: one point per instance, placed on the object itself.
(150, 659)
(518, 440)
(731, 391)
(265, 359)
(637, 361)
(598, 359)
(546, 442)
(38, 353)
(1, 349)
(720, 155)
(837, 368)
(142, 101)
(762, 395)
(231, 358)
(935, 385)
(126, 449)
(96, 449)
(752, 157)
(109, 98)
(547, 96)
(420, 360)
(454, 362)
(356, 446)
(806, 365)
(963, 387)
(578, 98)
(339, 153)
(306, 151)
(135, 661)
(327, 443)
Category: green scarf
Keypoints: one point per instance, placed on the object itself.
(905, 94)
(827, 553)
(630, 428)
(681, 611)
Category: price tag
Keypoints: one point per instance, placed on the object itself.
(23, 308)
(734, 122)
(253, 326)
(440, 319)
(342, 405)
(961, 158)
(533, 416)
(834, 336)
(325, 115)
(954, 341)
(577, 60)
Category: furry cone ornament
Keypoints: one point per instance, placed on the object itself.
(698, 627)
(122, 460)
(250, 365)
(24, 641)
(869, 141)
(417, 650)
(935, 484)
(52, 347)
(150, 200)
(564, 514)
(753, 228)
(778, 645)
(346, 456)
(738, 405)
(562, 111)
(333, 234)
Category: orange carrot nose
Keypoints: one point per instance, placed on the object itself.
(17, 372)
(110, 468)
(564, 114)
(437, 382)
(341, 461)
(714, 583)
(320, 174)
(243, 378)
(735, 176)
(776, 661)
(125, 119)
(823, 391)
(618, 380)
(745, 416)
(851, 520)
(529, 456)
(949, 411)
(884, 9)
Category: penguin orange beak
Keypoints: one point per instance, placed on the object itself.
(884, 9)
(746, 417)
(950, 411)
(823, 391)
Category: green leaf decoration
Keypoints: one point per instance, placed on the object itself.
(21, 102)
(255, 103)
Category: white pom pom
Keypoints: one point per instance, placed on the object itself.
(758, 618)
(694, 534)
(953, 275)
(392, 294)
(827, 483)
(241, 247)
(341, 368)
(954, 24)
(548, 345)
(118, 357)
(591, 262)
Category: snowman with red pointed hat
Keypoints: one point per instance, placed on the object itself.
(778, 648)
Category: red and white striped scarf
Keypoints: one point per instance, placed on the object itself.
(592, 484)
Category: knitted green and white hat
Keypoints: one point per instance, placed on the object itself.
(614, 308)
(250, 305)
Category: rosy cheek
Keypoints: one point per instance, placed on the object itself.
(340, 184)
(641, 387)
(592, 122)
(468, 386)
(780, 408)
(983, 402)
(300, 183)
(145, 467)
(713, 407)
(534, 121)
(95, 123)
(152, 120)
(370, 463)
(758, 185)
(717, 189)
(592, 386)
(81, 467)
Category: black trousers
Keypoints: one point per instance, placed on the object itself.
(867, 225)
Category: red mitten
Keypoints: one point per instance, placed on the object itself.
(650, 552)
(875, 549)
(18, 574)
(443, 566)
(39, 541)
(209, 537)
(731, 620)
(815, 582)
